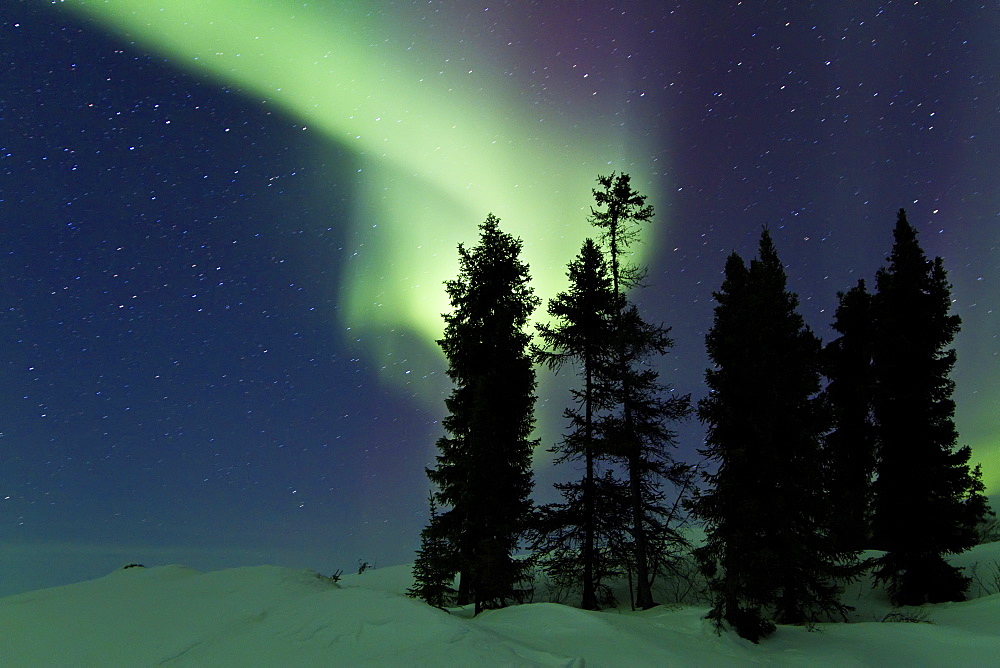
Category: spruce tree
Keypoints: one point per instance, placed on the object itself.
(434, 568)
(636, 430)
(768, 554)
(573, 534)
(927, 500)
(577, 542)
(851, 445)
(733, 557)
(483, 473)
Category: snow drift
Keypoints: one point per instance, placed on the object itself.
(270, 616)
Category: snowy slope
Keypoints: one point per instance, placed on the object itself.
(269, 616)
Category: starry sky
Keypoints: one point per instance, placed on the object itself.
(224, 228)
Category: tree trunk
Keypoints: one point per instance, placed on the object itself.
(589, 601)
(463, 588)
(644, 594)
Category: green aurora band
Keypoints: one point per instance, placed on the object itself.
(441, 137)
(437, 150)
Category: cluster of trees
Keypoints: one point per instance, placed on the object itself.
(808, 476)
(816, 453)
(615, 520)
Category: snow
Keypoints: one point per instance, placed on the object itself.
(271, 616)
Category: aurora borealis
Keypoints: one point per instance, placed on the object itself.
(225, 226)
(435, 139)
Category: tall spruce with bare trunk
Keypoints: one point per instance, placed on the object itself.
(574, 536)
(636, 430)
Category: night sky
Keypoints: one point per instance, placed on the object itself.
(224, 228)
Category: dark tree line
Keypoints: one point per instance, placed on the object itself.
(817, 452)
(807, 476)
(768, 555)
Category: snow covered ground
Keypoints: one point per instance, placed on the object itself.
(270, 616)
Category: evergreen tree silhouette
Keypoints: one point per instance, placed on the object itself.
(636, 430)
(575, 535)
(927, 500)
(768, 555)
(483, 473)
(434, 569)
(851, 446)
